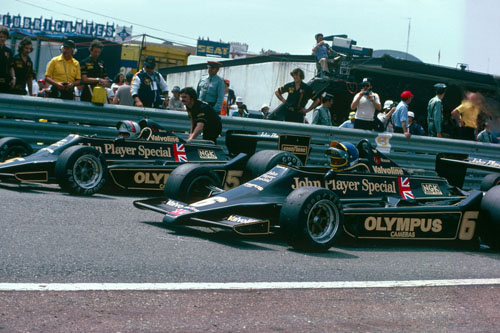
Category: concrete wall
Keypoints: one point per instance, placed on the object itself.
(256, 83)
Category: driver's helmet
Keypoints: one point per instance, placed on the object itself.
(128, 129)
(342, 155)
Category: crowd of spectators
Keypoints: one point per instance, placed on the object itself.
(67, 78)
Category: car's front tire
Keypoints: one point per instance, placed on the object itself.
(190, 183)
(490, 218)
(311, 219)
(81, 170)
(13, 147)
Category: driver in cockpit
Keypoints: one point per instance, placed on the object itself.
(343, 155)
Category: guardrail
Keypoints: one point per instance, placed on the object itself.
(42, 121)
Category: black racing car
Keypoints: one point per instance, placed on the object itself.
(82, 164)
(312, 206)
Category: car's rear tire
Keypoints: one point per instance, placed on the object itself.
(311, 219)
(264, 160)
(490, 217)
(489, 181)
(13, 147)
(190, 183)
(81, 170)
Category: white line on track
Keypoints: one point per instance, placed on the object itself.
(239, 285)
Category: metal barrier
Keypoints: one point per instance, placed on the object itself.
(42, 121)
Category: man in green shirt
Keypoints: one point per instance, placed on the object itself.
(435, 111)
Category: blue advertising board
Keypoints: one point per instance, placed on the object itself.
(208, 48)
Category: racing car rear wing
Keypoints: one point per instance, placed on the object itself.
(454, 166)
(238, 141)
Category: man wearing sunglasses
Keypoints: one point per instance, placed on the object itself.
(148, 85)
(365, 103)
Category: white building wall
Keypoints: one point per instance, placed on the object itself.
(256, 83)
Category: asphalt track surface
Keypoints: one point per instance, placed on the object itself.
(51, 237)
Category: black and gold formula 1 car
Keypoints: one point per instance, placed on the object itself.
(313, 206)
(83, 164)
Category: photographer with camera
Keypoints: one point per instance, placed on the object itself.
(63, 72)
(365, 103)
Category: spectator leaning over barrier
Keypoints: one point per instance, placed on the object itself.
(23, 68)
(122, 95)
(175, 102)
(148, 85)
(365, 103)
(435, 111)
(349, 123)
(466, 116)
(44, 89)
(264, 110)
(203, 117)
(385, 116)
(7, 74)
(299, 93)
(400, 116)
(486, 136)
(322, 115)
(413, 126)
(93, 71)
(63, 72)
(211, 88)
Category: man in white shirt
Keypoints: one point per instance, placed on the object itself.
(365, 103)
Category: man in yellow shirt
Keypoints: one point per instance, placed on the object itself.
(63, 72)
(466, 116)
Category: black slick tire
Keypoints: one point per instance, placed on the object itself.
(490, 218)
(264, 160)
(489, 181)
(190, 183)
(311, 219)
(11, 147)
(81, 170)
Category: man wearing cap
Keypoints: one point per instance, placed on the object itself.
(414, 127)
(148, 85)
(203, 117)
(400, 116)
(322, 52)
(385, 116)
(365, 103)
(93, 71)
(349, 123)
(322, 115)
(175, 102)
(211, 88)
(264, 110)
(44, 89)
(122, 95)
(435, 111)
(229, 99)
(63, 72)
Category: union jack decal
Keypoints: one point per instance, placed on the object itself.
(404, 188)
(180, 152)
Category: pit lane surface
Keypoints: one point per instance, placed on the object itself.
(50, 237)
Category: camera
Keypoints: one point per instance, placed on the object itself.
(64, 83)
(367, 92)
